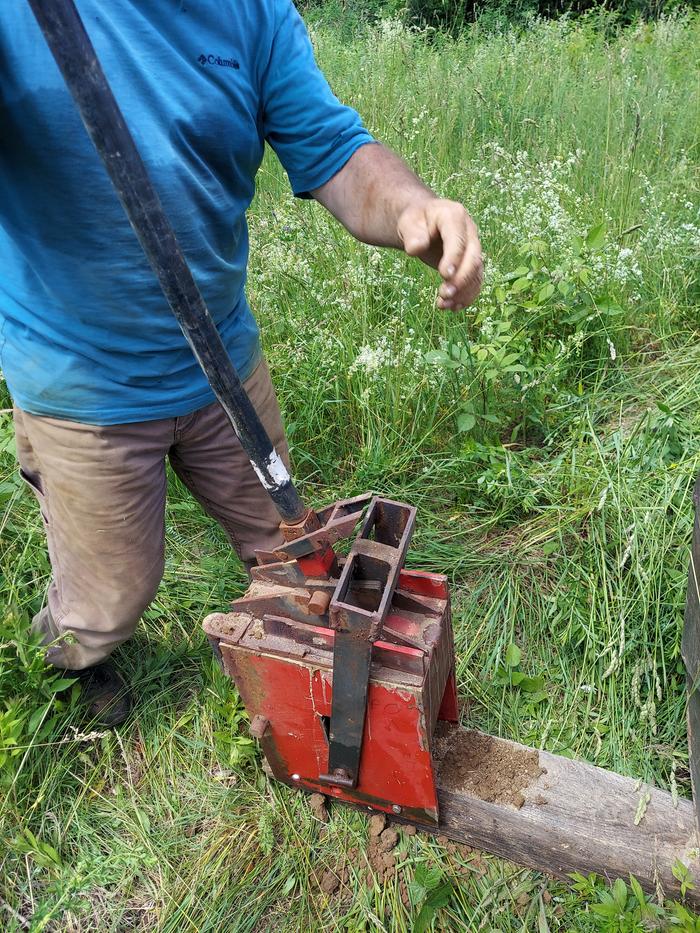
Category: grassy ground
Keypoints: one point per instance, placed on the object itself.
(548, 439)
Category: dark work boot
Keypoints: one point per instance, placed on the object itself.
(104, 693)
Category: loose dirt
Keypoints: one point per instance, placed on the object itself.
(388, 840)
(485, 767)
(330, 881)
(382, 861)
(317, 803)
(257, 630)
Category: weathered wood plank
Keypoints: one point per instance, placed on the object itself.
(573, 816)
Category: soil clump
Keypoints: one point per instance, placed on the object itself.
(317, 802)
(483, 766)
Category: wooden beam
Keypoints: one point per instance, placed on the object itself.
(559, 816)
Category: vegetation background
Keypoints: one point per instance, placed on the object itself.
(548, 437)
(454, 15)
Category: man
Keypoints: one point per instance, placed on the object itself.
(104, 384)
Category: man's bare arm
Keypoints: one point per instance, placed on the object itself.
(382, 202)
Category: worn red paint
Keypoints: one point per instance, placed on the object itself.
(281, 654)
(287, 680)
(317, 565)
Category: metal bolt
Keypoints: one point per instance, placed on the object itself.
(258, 726)
(396, 809)
(295, 777)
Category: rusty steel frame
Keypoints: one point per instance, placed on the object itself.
(357, 614)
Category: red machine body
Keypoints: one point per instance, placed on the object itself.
(280, 646)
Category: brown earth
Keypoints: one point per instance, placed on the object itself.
(379, 862)
(317, 803)
(483, 766)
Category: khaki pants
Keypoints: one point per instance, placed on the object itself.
(101, 490)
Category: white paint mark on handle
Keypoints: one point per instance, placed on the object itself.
(276, 470)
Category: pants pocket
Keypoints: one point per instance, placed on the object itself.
(34, 482)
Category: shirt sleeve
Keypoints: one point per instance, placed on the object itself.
(311, 132)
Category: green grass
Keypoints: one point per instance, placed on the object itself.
(562, 513)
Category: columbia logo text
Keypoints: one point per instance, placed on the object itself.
(218, 60)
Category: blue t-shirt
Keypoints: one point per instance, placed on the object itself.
(85, 332)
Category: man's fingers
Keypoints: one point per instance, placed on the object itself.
(463, 283)
(460, 265)
(463, 298)
(449, 219)
(443, 234)
(469, 277)
(464, 245)
(463, 288)
(415, 232)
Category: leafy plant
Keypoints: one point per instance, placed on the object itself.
(551, 320)
(42, 853)
(428, 892)
(683, 919)
(509, 674)
(625, 910)
(234, 746)
(30, 706)
(683, 875)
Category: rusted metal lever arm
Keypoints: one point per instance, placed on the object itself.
(75, 56)
(334, 523)
(357, 614)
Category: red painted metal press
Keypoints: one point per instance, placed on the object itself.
(346, 664)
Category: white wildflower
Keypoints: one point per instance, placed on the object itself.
(372, 359)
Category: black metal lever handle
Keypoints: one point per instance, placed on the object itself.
(75, 56)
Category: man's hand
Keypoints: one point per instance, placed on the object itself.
(381, 201)
(442, 234)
